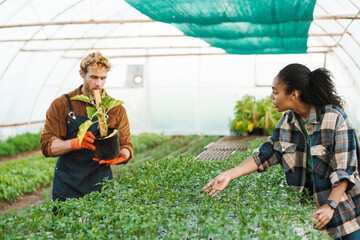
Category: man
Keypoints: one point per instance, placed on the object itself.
(77, 170)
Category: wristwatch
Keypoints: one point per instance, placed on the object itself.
(331, 203)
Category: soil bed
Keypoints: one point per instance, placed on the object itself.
(28, 199)
(20, 155)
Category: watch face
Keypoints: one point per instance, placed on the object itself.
(332, 203)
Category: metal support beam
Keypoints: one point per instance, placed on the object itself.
(133, 48)
(121, 21)
(136, 36)
(43, 24)
(109, 48)
(324, 34)
(318, 52)
(337, 17)
(156, 55)
(92, 37)
(21, 124)
(179, 55)
(321, 46)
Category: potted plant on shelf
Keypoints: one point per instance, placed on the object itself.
(254, 117)
(269, 116)
(106, 139)
(242, 121)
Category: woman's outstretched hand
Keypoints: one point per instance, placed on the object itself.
(217, 184)
(322, 216)
(220, 182)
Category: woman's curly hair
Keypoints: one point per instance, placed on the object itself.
(315, 87)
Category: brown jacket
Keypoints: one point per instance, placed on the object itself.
(55, 127)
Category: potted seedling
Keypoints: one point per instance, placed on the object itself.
(106, 139)
(253, 127)
(254, 117)
(245, 110)
(269, 116)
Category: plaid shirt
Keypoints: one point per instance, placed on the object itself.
(335, 153)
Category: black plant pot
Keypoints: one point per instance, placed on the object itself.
(257, 131)
(107, 148)
(236, 133)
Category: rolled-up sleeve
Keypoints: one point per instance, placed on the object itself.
(265, 156)
(54, 127)
(346, 152)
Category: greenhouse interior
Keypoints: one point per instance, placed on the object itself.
(184, 69)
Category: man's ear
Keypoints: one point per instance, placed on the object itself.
(295, 95)
(82, 74)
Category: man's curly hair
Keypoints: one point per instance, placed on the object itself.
(95, 60)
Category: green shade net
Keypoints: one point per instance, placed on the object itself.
(238, 26)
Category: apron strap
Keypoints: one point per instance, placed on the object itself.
(69, 102)
(71, 113)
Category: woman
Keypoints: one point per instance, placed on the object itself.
(317, 147)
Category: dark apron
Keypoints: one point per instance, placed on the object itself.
(76, 174)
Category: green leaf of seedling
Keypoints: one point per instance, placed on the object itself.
(81, 98)
(114, 104)
(83, 129)
(105, 101)
(90, 112)
(103, 94)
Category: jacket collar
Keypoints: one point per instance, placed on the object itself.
(314, 116)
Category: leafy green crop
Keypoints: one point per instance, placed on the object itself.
(25, 176)
(145, 141)
(191, 144)
(162, 200)
(197, 147)
(20, 143)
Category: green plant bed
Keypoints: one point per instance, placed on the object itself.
(191, 144)
(20, 143)
(196, 149)
(155, 151)
(144, 141)
(25, 176)
(162, 200)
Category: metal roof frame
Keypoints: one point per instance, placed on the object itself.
(336, 37)
(147, 20)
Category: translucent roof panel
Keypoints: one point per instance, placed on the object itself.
(42, 42)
